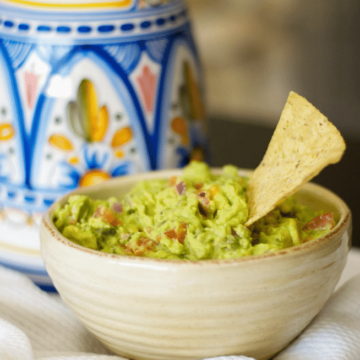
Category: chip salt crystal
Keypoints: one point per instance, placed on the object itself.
(304, 143)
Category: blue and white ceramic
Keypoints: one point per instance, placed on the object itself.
(89, 90)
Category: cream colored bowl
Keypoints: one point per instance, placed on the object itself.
(143, 308)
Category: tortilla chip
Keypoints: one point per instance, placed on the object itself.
(304, 142)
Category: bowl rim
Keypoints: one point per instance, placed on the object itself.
(297, 250)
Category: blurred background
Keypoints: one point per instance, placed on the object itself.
(255, 51)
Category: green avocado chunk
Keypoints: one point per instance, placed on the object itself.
(195, 216)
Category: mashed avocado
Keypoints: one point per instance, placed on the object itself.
(194, 216)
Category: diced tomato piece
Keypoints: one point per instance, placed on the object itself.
(179, 235)
(171, 234)
(182, 233)
(198, 186)
(129, 250)
(146, 243)
(321, 222)
(107, 216)
(142, 245)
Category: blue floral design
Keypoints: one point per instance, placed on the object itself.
(92, 160)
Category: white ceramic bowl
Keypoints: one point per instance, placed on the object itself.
(143, 308)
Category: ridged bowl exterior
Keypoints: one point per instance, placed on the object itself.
(150, 309)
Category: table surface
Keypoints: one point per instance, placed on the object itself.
(244, 144)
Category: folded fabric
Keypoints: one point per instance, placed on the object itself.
(335, 332)
(35, 325)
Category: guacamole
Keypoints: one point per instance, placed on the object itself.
(195, 216)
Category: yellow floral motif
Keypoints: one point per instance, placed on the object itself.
(196, 106)
(91, 123)
(122, 137)
(88, 108)
(94, 177)
(179, 126)
(190, 96)
(119, 154)
(185, 140)
(74, 160)
(61, 142)
(99, 126)
(6, 132)
(87, 120)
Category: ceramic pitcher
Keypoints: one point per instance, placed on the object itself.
(89, 90)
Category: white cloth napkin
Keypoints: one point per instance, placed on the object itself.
(37, 326)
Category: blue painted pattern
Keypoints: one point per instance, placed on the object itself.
(126, 56)
(144, 25)
(84, 29)
(23, 27)
(127, 27)
(56, 66)
(44, 28)
(63, 29)
(8, 24)
(105, 28)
